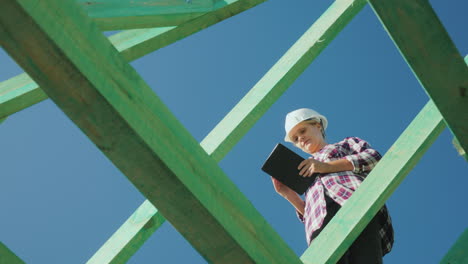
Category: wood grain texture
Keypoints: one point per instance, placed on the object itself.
(105, 97)
(427, 48)
(212, 145)
(118, 14)
(18, 93)
(132, 44)
(378, 186)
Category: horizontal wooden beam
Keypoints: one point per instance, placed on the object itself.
(67, 55)
(126, 241)
(325, 28)
(132, 44)
(118, 14)
(458, 253)
(432, 55)
(8, 257)
(379, 185)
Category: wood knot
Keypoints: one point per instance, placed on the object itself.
(462, 91)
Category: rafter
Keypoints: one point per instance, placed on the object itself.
(8, 257)
(458, 253)
(126, 241)
(273, 84)
(86, 77)
(132, 44)
(118, 14)
(432, 56)
(379, 185)
(222, 140)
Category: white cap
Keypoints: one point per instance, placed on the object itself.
(295, 117)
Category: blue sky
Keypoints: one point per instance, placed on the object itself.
(61, 198)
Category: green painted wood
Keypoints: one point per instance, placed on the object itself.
(19, 93)
(118, 15)
(100, 92)
(273, 84)
(335, 19)
(455, 142)
(348, 223)
(433, 57)
(459, 149)
(8, 257)
(143, 41)
(115, 8)
(126, 241)
(458, 254)
(132, 44)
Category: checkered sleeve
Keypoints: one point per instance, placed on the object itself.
(361, 155)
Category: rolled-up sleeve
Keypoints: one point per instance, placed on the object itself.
(300, 216)
(361, 155)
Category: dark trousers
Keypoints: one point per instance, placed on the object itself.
(366, 249)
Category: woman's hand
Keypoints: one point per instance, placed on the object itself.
(289, 195)
(310, 166)
(280, 188)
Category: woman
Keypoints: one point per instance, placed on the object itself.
(342, 167)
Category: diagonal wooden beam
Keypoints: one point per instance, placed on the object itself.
(405, 153)
(132, 44)
(126, 241)
(458, 253)
(433, 57)
(118, 14)
(18, 93)
(301, 54)
(275, 82)
(455, 142)
(64, 52)
(8, 257)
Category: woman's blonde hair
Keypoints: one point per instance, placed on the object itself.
(314, 121)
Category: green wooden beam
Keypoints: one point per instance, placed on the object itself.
(18, 93)
(455, 142)
(118, 14)
(126, 241)
(79, 69)
(458, 253)
(8, 257)
(132, 44)
(459, 149)
(221, 140)
(433, 57)
(276, 81)
(348, 223)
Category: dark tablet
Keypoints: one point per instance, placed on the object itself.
(282, 165)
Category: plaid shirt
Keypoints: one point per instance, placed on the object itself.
(341, 185)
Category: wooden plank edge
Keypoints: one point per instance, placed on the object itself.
(379, 185)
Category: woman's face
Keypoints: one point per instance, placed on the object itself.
(308, 137)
